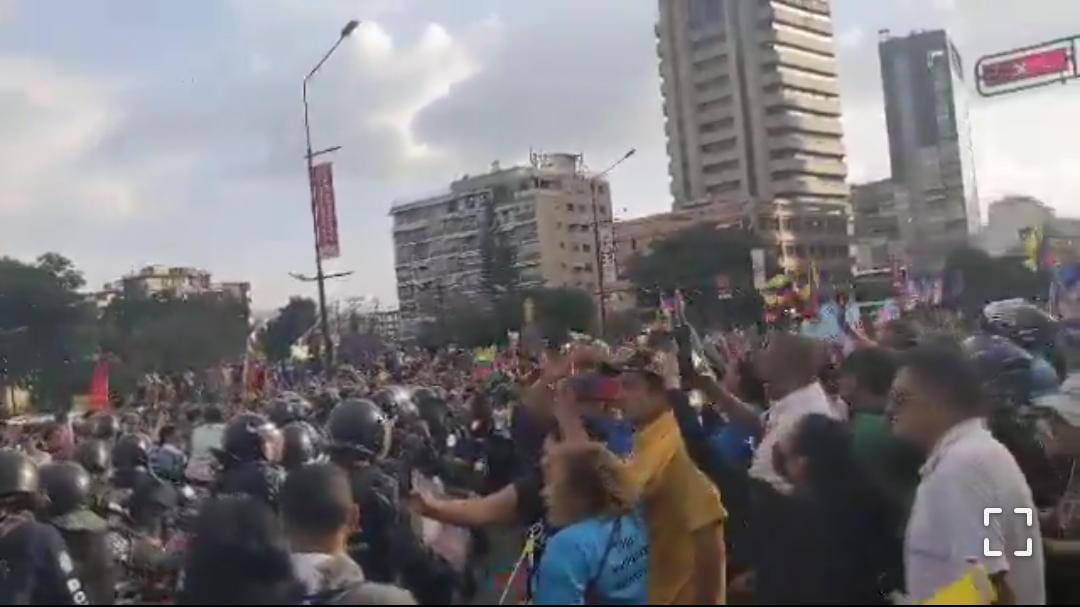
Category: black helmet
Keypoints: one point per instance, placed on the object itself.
(93, 455)
(1021, 322)
(104, 426)
(18, 474)
(360, 426)
(132, 451)
(246, 435)
(396, 401)
(301, 444)
(67, 485)
(282, 411)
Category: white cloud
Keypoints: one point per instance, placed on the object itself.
(52, 120)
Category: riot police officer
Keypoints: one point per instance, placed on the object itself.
(104, 426)
(387, 547)
(251, 449)
(36, 567)
(93, 455)
(68, 488)
(301, 444)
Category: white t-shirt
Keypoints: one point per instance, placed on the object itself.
(967, 472)
(780, 420)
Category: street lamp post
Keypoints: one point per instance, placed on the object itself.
(320, 277)
(601, 292)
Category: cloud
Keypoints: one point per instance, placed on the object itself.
(53, 119)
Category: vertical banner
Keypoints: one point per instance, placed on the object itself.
(322, 186)
(757, 262)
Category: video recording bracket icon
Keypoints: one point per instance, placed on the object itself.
(1029, 520)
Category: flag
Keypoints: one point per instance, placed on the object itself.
(326, 228)
(99, 386)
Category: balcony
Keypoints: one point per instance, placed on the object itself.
(788, 98)
(821, 84)
(818, 166)
(810, 143)
(798, 59)
(799, 186)
(796, 37)
(795, 17)
(801, 122)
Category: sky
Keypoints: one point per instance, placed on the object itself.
(155, 131)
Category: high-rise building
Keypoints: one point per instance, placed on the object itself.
(929, 143)
(547, 210)
(751, 101)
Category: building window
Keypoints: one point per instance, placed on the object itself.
(562, 245)
(719, 146)
(558, 225)
(703, 13)
(587, 267)
(712, 83)
(570, 207)
(724, 187)
(587, 248)
(720, 167)
(633, 244)
(716, 125)
(714, 103)
(576, 247)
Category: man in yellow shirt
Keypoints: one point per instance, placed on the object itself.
(682, 507)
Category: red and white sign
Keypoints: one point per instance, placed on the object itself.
(1034, 65)
(326, 230)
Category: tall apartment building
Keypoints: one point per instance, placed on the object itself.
(751, 101)
(546, 209)
(929, 143)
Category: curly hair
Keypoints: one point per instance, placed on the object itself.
(598, 479)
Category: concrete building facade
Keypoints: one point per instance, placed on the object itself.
(929, 143)
(751, 100)
(881, 222)
(546, 209)
(176, 282)
(796, 237)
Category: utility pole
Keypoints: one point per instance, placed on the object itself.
(320, 277)
(601, 291)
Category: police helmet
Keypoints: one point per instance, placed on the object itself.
(132, 451)
(93, 455)
(283, 410)
(359, 425)
(67, 485)
(104, 426)
(1021, 322)
(18, 474)
(301, 444)
(246, 436)
(396, 401)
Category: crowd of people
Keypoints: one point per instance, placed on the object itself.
(766, 468)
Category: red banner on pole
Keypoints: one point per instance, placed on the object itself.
(99, 386)
(322, 184)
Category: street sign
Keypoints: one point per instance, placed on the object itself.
(326, 229)
(1028, 67)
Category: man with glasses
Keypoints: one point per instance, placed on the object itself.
(973, 503)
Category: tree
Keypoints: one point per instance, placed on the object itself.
(291, 322)
(62, 269)
(46, 329)
(171, 335)
(694, 261)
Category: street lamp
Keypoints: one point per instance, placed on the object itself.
(328, 346)
(596, 239)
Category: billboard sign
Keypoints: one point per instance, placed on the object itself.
(1028, 67)
(326, 228)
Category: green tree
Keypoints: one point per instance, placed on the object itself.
(47, 338)
(292, 321)
(692, 261)
(168, 335)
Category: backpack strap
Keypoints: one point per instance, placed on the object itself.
(592, 594)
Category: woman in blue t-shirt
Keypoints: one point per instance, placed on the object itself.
(600, 555)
